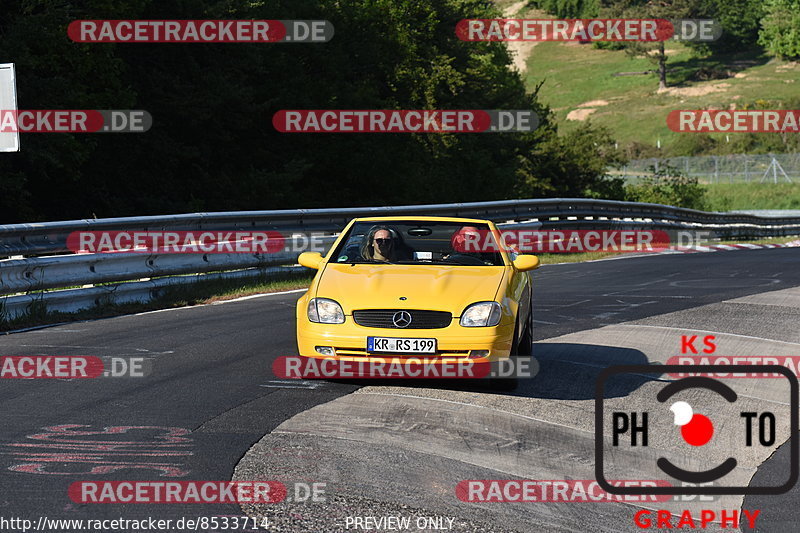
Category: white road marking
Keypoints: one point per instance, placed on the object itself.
(552, 306)
(707, 331)
(645, 296)
(285, 387)
(219, 303)
(136, 351)
(250, 297)
(591, 432)
(292, 384)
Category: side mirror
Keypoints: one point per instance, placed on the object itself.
(312, 259)
(523, 263)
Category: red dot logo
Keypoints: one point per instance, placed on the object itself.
(696, 429)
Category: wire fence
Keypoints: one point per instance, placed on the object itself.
(736, 168)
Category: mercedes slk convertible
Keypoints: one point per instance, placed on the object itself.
(407, 287)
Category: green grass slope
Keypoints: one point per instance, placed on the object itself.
(580, 83)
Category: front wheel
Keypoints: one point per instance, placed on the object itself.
(524, 346)
(519, 348)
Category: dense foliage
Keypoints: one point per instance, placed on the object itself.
(667, 185)
(212, 145)
(780, 28)
(570, 9)
(774, 24)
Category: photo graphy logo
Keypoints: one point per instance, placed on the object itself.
(696, 425)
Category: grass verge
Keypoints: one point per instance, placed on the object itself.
(551, 259)
(743, 196)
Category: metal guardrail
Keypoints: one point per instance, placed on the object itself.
(50, 237)
(38, 261)
(72, 300)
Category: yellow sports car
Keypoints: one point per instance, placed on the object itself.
(406, 287)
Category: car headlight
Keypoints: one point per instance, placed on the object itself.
(481, 314)
(325, 311)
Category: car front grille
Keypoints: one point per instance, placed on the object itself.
(420, 319)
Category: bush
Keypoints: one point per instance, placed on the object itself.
(780, 28)
(574, 164)
(640, 150)
(739, 18)
(693, 144)
(570, 9)
(668, 186)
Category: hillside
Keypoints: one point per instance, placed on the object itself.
(582, 83)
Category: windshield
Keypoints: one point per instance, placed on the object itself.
(415, 242)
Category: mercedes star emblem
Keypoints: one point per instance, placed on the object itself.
(401, 319)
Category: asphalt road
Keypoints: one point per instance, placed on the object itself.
(211, 395)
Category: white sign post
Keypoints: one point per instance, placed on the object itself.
(9, 140)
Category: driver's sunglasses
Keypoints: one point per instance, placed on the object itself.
(383, 241)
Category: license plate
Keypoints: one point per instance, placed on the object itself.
(396, 345)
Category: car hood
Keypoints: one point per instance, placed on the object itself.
(440, 288)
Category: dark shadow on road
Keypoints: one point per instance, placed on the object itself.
(566, 371)
(779, 512)
(569, 371)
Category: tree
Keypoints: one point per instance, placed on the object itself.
(780, 28)
(650, 9)
(212, 145)
(739, 18)
(570, 9)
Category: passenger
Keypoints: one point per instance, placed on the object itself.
(466, 240)
(469, 247)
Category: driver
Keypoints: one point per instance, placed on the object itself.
(383, 244)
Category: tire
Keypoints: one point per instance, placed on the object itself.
(519, 348)
(509, 384)
(524, 346)
(526, 342)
